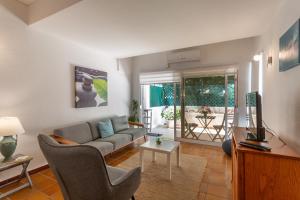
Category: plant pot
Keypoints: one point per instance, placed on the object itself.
(178, 125)
(170, 124)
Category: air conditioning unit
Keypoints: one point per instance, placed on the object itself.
(183, 58)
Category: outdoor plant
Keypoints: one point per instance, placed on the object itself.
(205, 110)
(168, 114)
(134, 111)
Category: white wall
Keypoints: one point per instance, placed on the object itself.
(36, 83)
(281, 100)
(237, 52)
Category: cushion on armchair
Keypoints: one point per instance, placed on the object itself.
(120, 123)
(105, 128)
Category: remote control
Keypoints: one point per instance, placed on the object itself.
(255, 146)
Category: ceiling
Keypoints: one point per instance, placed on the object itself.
(27, 2)
(128, 28)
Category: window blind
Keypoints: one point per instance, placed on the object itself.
(159, 77)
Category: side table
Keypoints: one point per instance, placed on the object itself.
(17, 160)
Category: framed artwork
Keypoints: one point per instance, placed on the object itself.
(289, 55)
(90, 87)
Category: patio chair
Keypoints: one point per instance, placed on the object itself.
(189, 129)
(219, 128)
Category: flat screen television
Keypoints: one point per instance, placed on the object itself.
(255, 127)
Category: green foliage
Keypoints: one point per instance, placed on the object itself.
(163, 94)
(133, 119)
(168, 114)
(101, 88)
(134, 111)
(208, 91)
(198, 92)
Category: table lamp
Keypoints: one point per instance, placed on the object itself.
(9, 127)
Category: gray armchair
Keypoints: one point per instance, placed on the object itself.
(83, 175)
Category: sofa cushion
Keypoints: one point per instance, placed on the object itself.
(80, 133)
(134, 132)
(105, 128)
(118, 140)
(120, 123)
(94, 127)
(104, 147)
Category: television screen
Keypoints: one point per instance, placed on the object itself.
(254, 116)
(251, 115)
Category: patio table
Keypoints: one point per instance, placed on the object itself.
(205, 121)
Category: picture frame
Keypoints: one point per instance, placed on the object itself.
(91, 87)
(289, 45)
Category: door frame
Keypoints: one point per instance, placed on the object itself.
(182, 104)
(174, 103)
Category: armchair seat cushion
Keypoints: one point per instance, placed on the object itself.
(118, 140)
(115, 174)
(104, 147)
(134, 132)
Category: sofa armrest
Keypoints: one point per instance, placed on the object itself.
(135, 124)
(62, 140)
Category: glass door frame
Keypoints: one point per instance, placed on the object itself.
(182, 99)
(174, 104)
(175, 107)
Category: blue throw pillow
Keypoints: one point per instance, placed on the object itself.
(105, 128)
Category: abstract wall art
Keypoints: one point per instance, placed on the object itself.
(90, 87)
(289, 55)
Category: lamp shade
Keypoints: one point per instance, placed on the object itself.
(10, 126)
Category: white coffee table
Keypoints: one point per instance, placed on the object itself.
(166, 147)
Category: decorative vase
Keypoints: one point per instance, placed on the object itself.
(7, 147)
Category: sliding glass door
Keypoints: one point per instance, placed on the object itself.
(208, 103)
(160, 104)
(198, 107)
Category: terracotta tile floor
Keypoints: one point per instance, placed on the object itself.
(216, 183)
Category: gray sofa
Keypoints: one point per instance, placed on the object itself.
(87, 133)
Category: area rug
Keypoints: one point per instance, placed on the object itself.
(155, 185)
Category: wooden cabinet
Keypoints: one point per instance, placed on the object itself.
(259, 175)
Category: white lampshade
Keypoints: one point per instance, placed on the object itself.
(10, 126)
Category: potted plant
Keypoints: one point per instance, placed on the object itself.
(134, 111)
(205, 110)
(168, 114)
